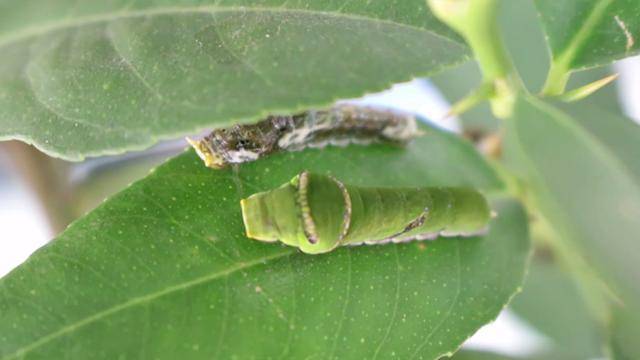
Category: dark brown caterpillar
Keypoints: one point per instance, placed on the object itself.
(340, 125)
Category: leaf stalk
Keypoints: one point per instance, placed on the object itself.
(476, 22)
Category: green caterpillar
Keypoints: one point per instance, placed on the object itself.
(318, 213)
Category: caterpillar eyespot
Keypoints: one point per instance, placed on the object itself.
(318, 213)
(340, 125)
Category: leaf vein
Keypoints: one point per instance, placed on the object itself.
(395, 305)
(454, 302)
(79, 21)
(21, 352)
(343, 315)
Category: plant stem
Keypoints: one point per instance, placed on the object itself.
(484, 38)
(45, 177)
(476, 21)
(557, 80)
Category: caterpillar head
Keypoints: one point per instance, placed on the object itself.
(300, 213)
(206, 153)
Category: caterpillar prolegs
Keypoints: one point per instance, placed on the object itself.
(340, 125)
(318, 213)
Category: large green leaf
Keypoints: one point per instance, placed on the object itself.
(102, 77)
(587, 33)
(586, 184)
(163, 270)
(620, 135)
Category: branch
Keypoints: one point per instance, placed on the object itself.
(476, 22)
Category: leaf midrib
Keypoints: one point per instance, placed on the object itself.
(568, 55)
(80, 21)
(69, 328)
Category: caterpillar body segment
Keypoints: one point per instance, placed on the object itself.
(340, 125)
(318, 213)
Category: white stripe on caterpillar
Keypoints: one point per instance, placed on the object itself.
(339, 126)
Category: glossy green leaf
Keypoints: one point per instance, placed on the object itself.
(585, 183)
(587, 33)
(619, 134)
(553, 304)
(163, 270)
(102, 77)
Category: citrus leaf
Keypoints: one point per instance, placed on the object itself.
(96, 78)
(163, 270)
(587, 33)
(619, 134)
(585, 184)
